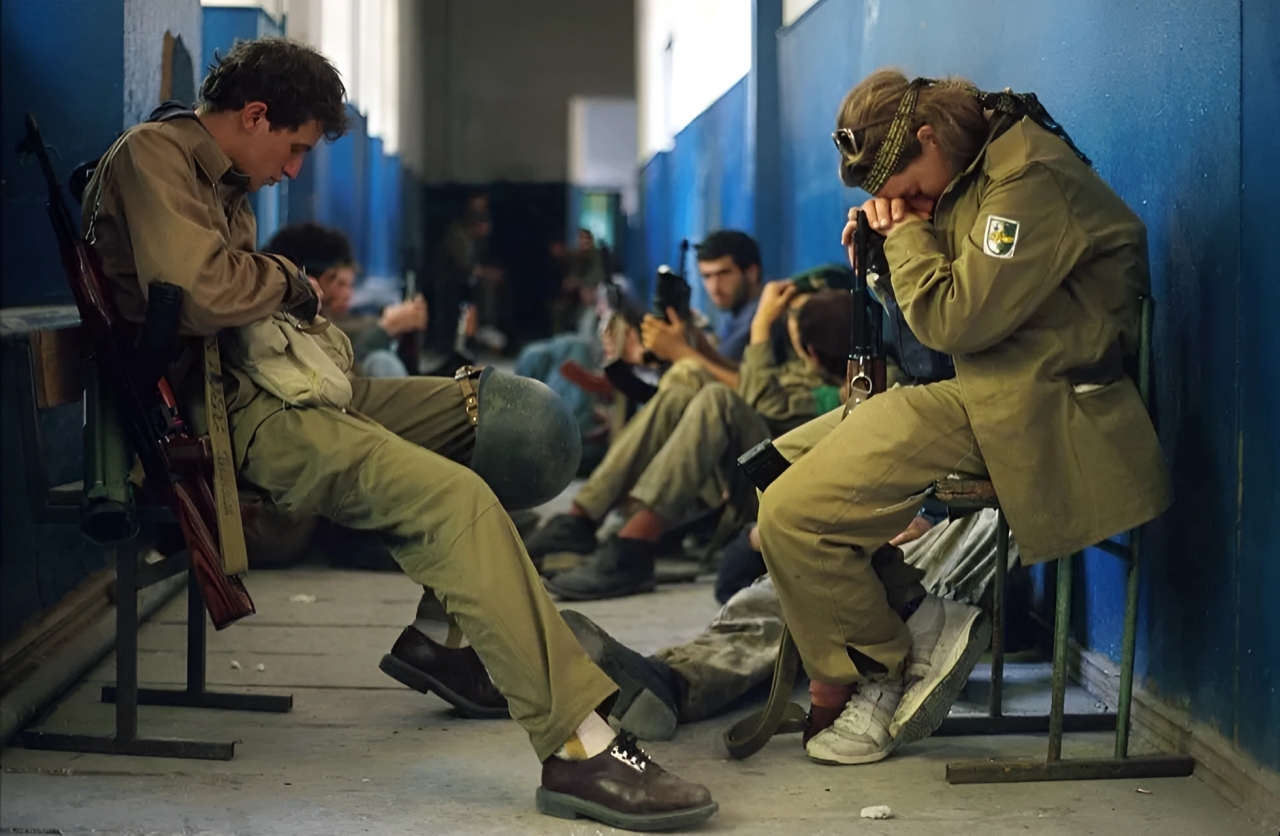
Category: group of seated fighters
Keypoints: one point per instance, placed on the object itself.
(1006, 251)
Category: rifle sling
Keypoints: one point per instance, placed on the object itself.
(235, 557)
(780, 716)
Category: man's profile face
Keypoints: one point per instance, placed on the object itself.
(267, 155)
(337, 284)
(725, 282)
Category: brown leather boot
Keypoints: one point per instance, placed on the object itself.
(456, 675)
(622, 787)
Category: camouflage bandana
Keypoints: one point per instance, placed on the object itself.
(890, 151)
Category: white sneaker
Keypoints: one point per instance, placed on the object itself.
(947, 638)
(861, 733)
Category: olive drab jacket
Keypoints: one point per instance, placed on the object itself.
(784, 394)
(165, 205)
(1031, 276)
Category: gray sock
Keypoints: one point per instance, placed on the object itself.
(437, 631)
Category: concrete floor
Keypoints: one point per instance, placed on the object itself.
(360, 754)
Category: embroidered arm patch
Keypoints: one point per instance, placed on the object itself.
(1001, 237)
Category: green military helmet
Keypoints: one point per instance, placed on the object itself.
(834, 276)
(528, 443)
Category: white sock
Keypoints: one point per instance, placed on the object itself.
(591, 738)
(440, 632)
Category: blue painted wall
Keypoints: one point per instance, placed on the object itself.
(87, 69)
(1258, 685)
(384, 223)
(703, 184)
(1153, 94)
(54, 62)
(342, 182)
(1177, 103)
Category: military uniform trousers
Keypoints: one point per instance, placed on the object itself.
(682, 445)
(738, 649)
(825, 521)
(392, 464)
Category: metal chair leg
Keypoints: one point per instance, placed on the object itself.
(1061, 631)
(127, 642)
(1127, 651)
(995, 721)
(1053, 767)
(195, 695)
(996, 707)
(125, 693)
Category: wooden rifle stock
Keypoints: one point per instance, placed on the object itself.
(173, 460)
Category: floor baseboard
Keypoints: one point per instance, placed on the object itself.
(1251, 787)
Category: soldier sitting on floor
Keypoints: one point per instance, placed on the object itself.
(325, 255)
(686, 441)
(737, 651)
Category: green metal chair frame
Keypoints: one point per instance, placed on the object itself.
(969, 495)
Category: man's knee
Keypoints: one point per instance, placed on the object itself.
(791, 501)
(716, 399)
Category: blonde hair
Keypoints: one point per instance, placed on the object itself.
(950, 106)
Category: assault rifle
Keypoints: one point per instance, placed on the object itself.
(865, 372)
(132, 363)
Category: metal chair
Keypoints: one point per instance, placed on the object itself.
(968, 495)
(106, 508)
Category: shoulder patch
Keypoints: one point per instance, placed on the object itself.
(1001, 237)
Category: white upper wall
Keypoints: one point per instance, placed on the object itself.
(792, 9)
(689, 53)
(602, 145)
(275, 8)
(362, 39)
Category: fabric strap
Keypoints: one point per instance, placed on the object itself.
(226, 499)
(890, 150)
(780, 715)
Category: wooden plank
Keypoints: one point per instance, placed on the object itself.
(58, 367)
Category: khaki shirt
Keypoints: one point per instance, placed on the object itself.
(1032, 270)
(782, 393)
(165, 205)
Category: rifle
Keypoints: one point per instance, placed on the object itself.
(865, 373)
(173, 460)
(409, 347)
(458, 357)
(671, 291)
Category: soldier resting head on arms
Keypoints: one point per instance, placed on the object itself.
(1008, 252)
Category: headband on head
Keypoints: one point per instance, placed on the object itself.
(889, 154)
(890, 151)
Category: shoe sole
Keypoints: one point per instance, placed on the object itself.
(638, 709)
(565, 806)
(411, 677)
(936, 705)
(836, 760)
(622, 592)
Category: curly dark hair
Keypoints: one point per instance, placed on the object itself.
(739, 246)
(296, 83)
(313, 247)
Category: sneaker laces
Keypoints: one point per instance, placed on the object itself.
(859, 713)
(626, 748)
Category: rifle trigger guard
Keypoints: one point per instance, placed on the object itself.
(860, 389)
